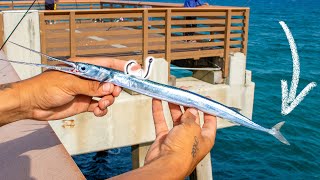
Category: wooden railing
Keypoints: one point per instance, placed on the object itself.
(136, 4)
(138, 33)
(84, 4)
(39, 5)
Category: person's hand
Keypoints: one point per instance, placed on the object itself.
(56, 95)
(186, 143)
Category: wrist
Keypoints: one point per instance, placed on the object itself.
(15, 106)
(170, 166)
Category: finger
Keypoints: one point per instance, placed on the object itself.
(158, 117)
(176, 113)
(94, 107)
(105, 102)
(117, 90)
(103, 61)
(99, 113)
(90, 88)
(209, 127)
(190, 116)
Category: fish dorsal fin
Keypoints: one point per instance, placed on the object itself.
(235, 109)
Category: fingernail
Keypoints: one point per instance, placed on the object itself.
(193, 111)
(106, 87)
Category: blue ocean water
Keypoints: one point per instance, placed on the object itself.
(241, 153)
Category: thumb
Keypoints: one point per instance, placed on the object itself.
(91, 88)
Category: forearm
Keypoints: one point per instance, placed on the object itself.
(162, 168)
(11, 104)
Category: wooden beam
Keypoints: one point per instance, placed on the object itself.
(1, 29)
(43, 40)
(168, 39)
(245, 33)
(145, 34)
(72, 24)
(227, 44)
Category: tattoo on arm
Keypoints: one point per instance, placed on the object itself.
(5, 86)
(195, 147)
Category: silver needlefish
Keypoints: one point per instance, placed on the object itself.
(158, 91)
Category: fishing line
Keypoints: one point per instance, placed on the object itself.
(17, 24)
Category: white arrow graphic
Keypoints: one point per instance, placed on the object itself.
(290, 101)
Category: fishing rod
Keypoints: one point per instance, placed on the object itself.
(24, 15)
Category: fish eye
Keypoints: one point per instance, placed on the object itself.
(82, 68)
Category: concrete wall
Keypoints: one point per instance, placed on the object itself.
(28, 35)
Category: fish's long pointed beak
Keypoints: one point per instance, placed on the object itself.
(58, 68)
(70, 63)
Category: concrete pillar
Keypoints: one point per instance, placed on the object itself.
(204, 168)
(236, 80)
(237, 69)
(28, 35)
(139, 153)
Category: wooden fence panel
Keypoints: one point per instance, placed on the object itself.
(137, 33)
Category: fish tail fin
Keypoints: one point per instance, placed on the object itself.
(275, 131)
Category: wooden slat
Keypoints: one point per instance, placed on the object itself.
(58, 53)
(196, 45)
(90, 42)
(198, 29)
(157, 22)
(227, 45)
(241, 13)
(109, 15)
(237, 21)
(236, 42)
(157, 39)
(145, 35)
(236, 35)
(157, 14)
(108, 24)
(65, 45)
(197, 37)
(108, 33)
(138, 58)
(182, 22)
(197, 54)
(108, 50)
(155, 31)
(236, 27)
(57, 26)
(199, 14)
(63, 35)
(56, 17)
(73, 45)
